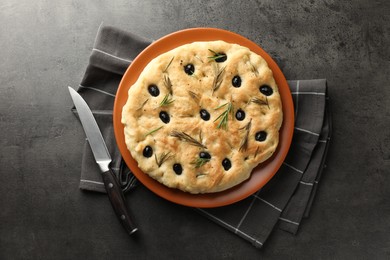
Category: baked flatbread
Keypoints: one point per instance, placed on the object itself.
(201, 116)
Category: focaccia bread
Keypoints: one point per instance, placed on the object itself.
(200, 117)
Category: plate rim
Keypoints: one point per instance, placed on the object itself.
(237, 192)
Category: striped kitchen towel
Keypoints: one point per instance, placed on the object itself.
(282, 203)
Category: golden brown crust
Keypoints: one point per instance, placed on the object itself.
(186, 135)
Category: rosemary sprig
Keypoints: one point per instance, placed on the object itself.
(153, 131)
(168, 83)
(216, 55)
(218, 77)
(143, 104)
(187, 138)
(224, 116)
(169, 64)
(244, 142)
(166, 101)
(199, 162)
(163, 158)
(260, 102)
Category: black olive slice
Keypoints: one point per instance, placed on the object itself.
(226, 163)
(236, 81)
(266, 90)
(148, 151)
(261, 136)
(204, 114)
(205, 155)
(153, 90)
(177, 168)
(240, 114)
(164, 116)
(189, 69)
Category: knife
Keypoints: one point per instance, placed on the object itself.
(103, 159)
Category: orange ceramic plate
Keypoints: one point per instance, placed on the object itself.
(260, 175)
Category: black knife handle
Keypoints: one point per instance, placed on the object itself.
(118, 201)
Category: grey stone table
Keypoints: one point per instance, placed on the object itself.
(45, 47)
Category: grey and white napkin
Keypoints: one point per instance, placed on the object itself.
(282, 203)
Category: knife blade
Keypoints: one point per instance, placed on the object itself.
(103, 159)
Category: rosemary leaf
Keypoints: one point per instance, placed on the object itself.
(257, 150)
(218, 107)
(193, 95)
(169, 64)
(187, 138)
(247, 126)
(216, 56)
(254, 70)
(143, 104)
(215, 53)
(153, 131)
(186, 115)
(199, 58)
(166, 101)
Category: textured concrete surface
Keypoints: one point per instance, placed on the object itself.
(45, 47)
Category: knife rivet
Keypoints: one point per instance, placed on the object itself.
(123, 217)
(110, 185)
